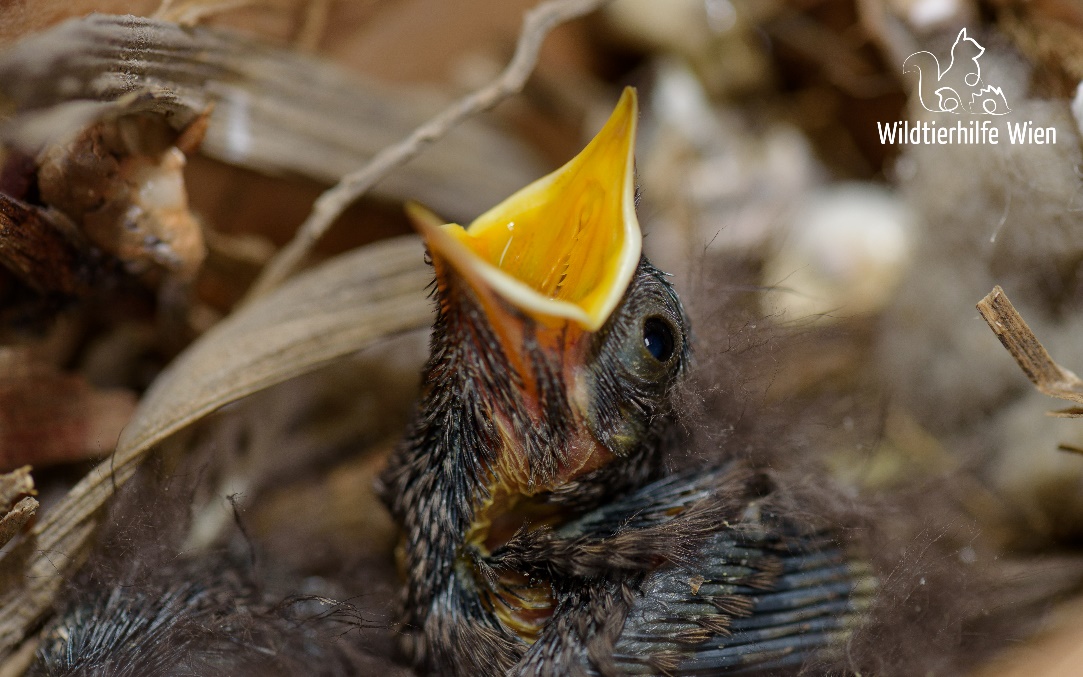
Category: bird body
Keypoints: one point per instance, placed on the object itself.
(534, 541)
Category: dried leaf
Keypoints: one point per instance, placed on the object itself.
(274, 110)
(342, 306)
(1047, 376)
(1070, 412)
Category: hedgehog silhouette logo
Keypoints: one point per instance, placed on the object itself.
(959, 87)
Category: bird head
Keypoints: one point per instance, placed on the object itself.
(576, 340)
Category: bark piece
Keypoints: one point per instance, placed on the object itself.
(13, 485)
(34, 248)
(16, 518)
(1047, 376)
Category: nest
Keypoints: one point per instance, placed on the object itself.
(208, 284)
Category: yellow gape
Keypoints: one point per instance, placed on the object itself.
(566, 246)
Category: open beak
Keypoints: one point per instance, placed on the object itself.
(562, 249)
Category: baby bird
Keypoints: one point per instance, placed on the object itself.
(540, 533)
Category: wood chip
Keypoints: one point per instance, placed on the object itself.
(34, 248)
(1047, 376)
(13, 485)
(16, 518)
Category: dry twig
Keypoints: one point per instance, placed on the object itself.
(537, 24)
(1047, 376)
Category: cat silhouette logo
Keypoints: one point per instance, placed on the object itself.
(959, 87)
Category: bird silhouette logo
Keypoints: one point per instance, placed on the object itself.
(959, 87)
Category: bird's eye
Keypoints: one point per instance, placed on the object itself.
(658, 338)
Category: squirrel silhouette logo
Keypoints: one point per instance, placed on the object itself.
(959, 87)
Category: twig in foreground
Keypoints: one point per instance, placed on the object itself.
(537, 24)
(1047, 376)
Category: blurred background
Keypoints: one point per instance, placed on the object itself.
(764, 176)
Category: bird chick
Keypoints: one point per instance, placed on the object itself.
(533, 540)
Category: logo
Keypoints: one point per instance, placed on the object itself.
(959, 87)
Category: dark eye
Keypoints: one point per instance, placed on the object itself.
(658, 338)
